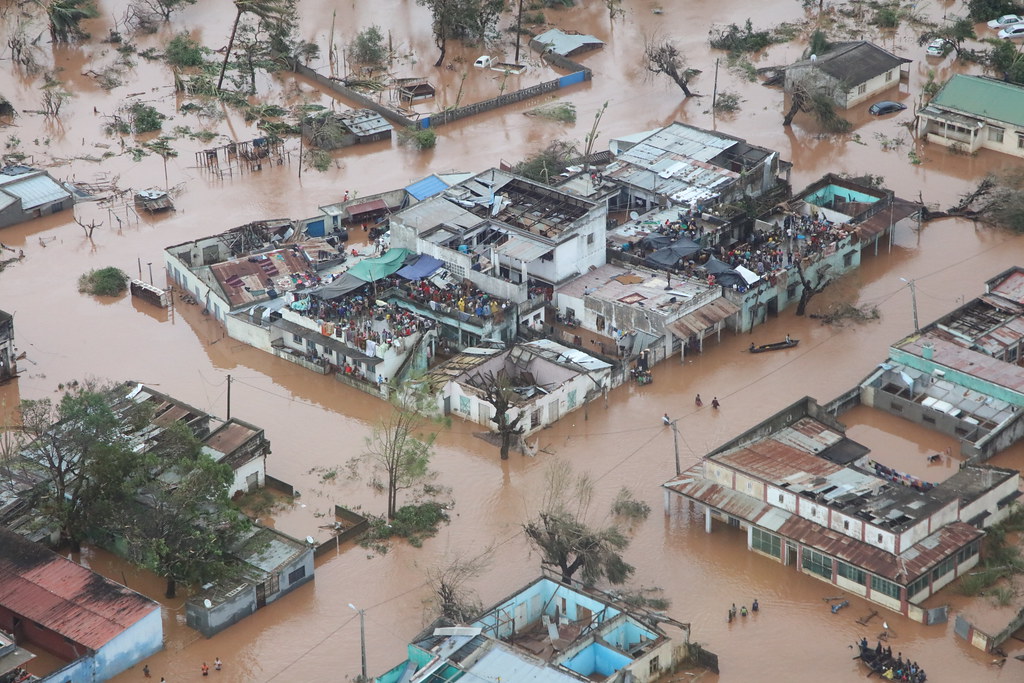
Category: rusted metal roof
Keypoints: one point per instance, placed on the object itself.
(1012, 287)
(969, 362)
(703, 318)
(367, 207)
(65, 597)
(230, 436)
(788, 456)
(997, 341)
(693, 485)
(881, 221)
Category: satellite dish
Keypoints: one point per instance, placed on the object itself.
(310, 540)
(814, 58)
(633, 215)
(207, 604)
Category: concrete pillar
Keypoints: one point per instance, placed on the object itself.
(666, 493)
(707, 519)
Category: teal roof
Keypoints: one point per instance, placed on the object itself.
(985, 97)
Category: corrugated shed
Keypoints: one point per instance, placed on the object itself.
(65, 597)
(719, 497)
(703, 318)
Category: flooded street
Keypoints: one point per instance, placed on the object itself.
(312, 420)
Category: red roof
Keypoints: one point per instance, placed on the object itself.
(65, 597)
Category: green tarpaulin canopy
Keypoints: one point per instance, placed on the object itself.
(372, 269)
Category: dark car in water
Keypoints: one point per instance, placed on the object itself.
(886, 107)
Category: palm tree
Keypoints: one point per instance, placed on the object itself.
(271, 11)
(64, 17)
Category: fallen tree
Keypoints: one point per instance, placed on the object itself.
(997, 201)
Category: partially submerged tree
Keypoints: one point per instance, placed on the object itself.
(549, 162)
(498, 390)
(567, 540)
(368, 46)
(818, 102)
(449, 583)
(955, 33)
(182, 530)
(65, 18)
(277, 14)
(808, 289)
(164, 8)
(997, 201)
(474, 20)
(87, 466)
(663, 56)
(399, 450)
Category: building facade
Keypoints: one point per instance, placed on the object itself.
(26, 193)
(971, 113)
(850, 73)
(810, 497)
(8, 354)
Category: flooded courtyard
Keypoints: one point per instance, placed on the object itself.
(314, 421)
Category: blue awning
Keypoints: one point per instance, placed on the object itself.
(425, 266)
(427, 187)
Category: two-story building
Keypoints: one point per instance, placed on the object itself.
(811, 497)
(504, 226)
(975, 112)
(8, 354)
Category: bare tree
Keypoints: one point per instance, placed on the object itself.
(566, 539)
(449, 581)
(663, 56)
(808, 290)
(498, 390)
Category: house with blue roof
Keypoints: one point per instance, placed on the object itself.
(26, 193)
(975, 112)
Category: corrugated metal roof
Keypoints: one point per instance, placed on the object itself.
(428, 187)
(982, 96)
(1012, 287)
(704, 317)
(523, 249)
(969, 362)
(706, 491)
(565, 44)
(501, 664)
(565, 354)
(65, 597)
(33, 189)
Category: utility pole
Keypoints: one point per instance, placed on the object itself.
(519, 26)
(675, 443)
(714, 93)
(362, 638)
(229, 397)
(913, 301)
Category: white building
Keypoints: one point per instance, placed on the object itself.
(975, 112)
(508, 228)
(850, 73)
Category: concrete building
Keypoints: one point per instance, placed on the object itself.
(98, 627)
(549, 380)
(547, 632)
(975, 112)
(850, 72)
(26, 193)
(270, 564)
(502, 232)
(683, 165)
(644, 309)
(8, 353)
(962, 374)
(809, 496)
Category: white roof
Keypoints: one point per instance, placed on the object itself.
(563, 43)
(33, 189)
(569, 355)
(750, 276)
(499, 664)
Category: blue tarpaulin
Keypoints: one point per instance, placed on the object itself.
(425, 266)
(427, 187)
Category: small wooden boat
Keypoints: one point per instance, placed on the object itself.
(774, 346)
(880, 661)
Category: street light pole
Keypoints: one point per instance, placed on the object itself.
(913, 301)
(362, 638)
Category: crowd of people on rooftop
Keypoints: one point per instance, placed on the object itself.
(465, 298)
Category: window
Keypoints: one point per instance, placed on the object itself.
(765, 542)
(879, 538)
(590, 238)
(895, 407)
(654, 666)
(816, 563)
(297, 339)
(846, 525)
(464, 404)
(273, 584)
(967, 552)
(297, 575)
(862, 88)
(1020, 141)
(791, 291)
(928, 418)
(880, 585)
(848, 571)
(571, 399)
(781, 500)
(848, 258)
(995, 134)
(888, 76)
(943, 568)
(917, 586)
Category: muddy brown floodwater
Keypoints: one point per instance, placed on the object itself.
(311, 634)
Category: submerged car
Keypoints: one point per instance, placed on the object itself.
(886, 107)
(1006, 20)
(1015, 31)
(937, 48)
